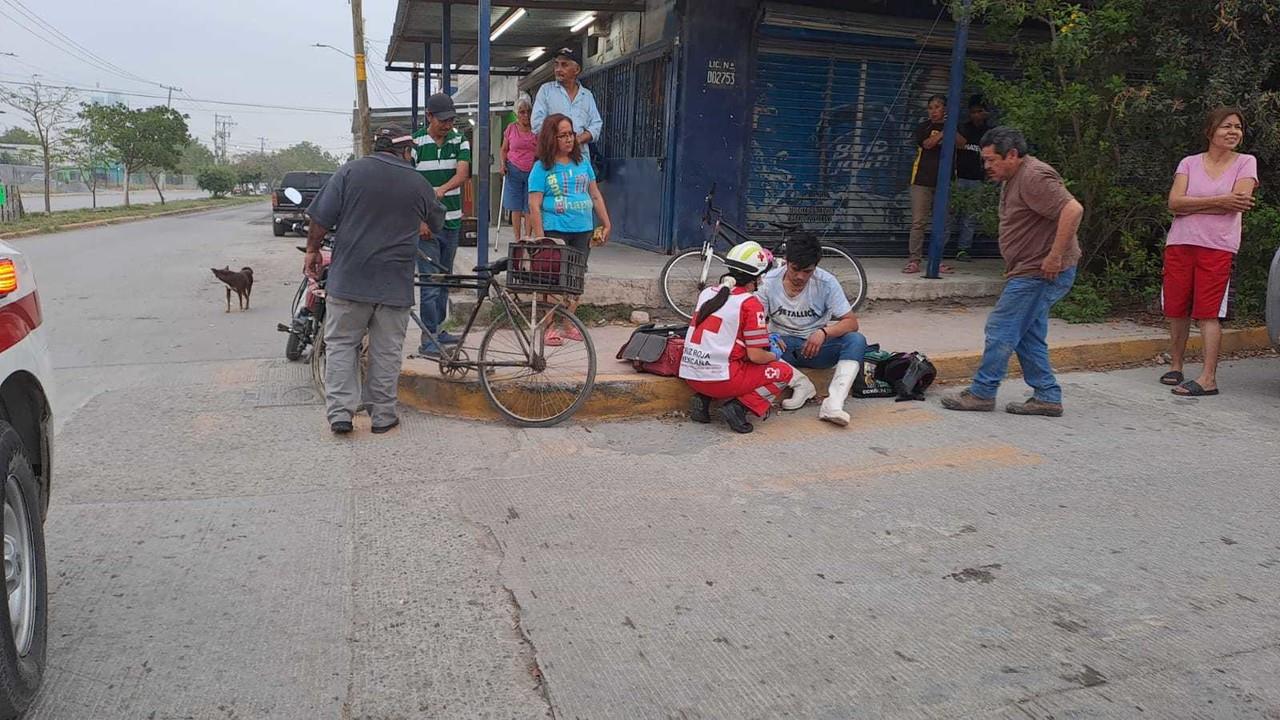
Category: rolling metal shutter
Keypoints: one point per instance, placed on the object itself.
(831, 145)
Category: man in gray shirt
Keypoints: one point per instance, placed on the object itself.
(378, 206)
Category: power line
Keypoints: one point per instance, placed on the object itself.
(290, 108)
(59, 41)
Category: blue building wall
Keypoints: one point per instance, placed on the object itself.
(713, 121)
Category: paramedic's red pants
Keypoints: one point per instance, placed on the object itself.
(755, 386)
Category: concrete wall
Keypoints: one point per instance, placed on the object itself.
(628, 32)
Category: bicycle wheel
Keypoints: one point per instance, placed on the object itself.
(540, 386)
(297, 297)
(319, 358)
(848, 271)
(685, 276)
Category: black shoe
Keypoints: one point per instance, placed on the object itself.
(341, 427)
(700, 408)
(379, 429)
(735, 414)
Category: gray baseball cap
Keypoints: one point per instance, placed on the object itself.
(391, 136)
(440, 106)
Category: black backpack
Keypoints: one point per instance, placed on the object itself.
(889, 374)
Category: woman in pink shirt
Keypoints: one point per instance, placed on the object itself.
(1211, 191)
(519, 147)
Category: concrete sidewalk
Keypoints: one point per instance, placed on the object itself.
(952, 337)
(622, 275)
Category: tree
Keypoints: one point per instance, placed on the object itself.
(151, 139)
(18, 136)
(217, 179)
(1113, 93)
(47, 110)
(87, 148)
(250, 170)
(196, 156)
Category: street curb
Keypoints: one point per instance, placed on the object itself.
(111, 221)
(621, 395)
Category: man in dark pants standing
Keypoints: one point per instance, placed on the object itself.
(379, 206)
(970, 175)
(444, 159)
(1038, 223)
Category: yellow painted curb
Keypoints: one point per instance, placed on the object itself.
(112, 221)
(637, 395)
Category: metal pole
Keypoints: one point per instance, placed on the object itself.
(413, 101)
(446, 48)
(942, 195)
(426, 71)
(481, 158)
(362, 91)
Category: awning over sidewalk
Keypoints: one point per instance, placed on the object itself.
(422, 27)
(519, 38)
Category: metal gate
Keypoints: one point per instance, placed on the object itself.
(831, 143)
(635, 99)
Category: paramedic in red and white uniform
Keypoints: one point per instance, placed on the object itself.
(726, 350)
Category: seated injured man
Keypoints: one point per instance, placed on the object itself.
(814, 325)
(727, 352)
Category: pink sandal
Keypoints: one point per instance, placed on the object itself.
(912, 267)
(553, 337)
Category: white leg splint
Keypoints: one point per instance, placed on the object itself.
(802, 390)
(832, 409)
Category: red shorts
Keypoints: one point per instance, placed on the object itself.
(1197, 282)
(755, 386)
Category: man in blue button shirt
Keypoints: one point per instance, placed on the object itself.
(567, 96)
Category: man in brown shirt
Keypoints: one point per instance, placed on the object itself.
(1038, 223)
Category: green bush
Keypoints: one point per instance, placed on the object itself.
(1257, 247)
(1084, 304)
(218, 180)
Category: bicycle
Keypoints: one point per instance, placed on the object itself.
(528, 382)
(687, 274)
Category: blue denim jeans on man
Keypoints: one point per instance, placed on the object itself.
(851, 346)
(1019, 323)
(434, 301)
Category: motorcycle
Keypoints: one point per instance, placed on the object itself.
(307, 323)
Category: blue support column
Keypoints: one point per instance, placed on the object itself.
(446, 48)
(942, 194)
(480, 159)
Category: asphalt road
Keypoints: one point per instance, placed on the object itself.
(34, 202)
(215, 553)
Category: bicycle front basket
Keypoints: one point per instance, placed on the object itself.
(546, 266)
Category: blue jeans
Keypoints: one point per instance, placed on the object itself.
(846, 347)
(968, 221)
(434, 301)
(1019, 323)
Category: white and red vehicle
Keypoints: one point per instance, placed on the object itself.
(26, 457)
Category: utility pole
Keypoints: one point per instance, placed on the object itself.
(362, 91)
(170, 88)
(222, 125)
(262, 145)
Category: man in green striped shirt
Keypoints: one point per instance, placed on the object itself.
(444, 159)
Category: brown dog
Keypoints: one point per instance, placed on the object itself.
(241, 282)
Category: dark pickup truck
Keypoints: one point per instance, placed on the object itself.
(287, 215)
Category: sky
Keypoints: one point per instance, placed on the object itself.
(236, 51)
